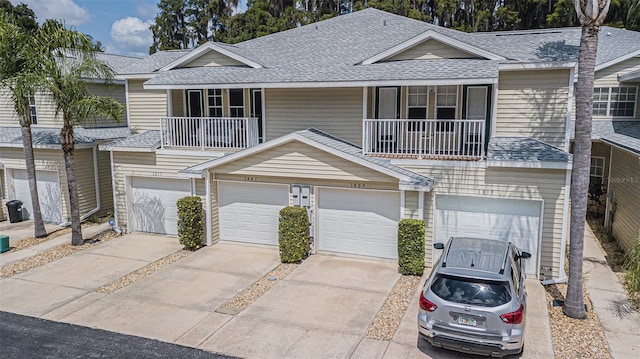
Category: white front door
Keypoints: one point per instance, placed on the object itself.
(249, 212)
(49, 194)
(513, 220)
(362, 222)
(153, 203)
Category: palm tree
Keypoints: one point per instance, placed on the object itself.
(18, 74)
(591, 14)
(67, 71)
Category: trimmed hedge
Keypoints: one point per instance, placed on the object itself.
(190, 222)
(293, 234)
(411, 246)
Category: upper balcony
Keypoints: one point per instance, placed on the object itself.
(209, 133)
(460, 139)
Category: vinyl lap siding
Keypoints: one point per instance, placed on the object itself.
(104, 180)
(8, 115)
(625, 181)
(127, 164)
(145, 106)
(547, 185)
(533, 104)
(115, 91)
(431, 49)
(86, 180)
(45, 111)
(301, 161)
(337, 111)
(213, 58)
(215, 229)
(608, 77)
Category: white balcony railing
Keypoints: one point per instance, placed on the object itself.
(429, 139)
(209, 132)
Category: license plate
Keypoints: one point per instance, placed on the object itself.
(467, 321)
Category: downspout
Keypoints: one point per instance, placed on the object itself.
(116, 228)
(565, 224)
(96, 182)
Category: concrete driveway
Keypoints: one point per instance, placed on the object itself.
(177, 303)
(321, 310)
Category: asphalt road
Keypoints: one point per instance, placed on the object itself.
(27, 337)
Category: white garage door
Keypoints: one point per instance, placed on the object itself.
(48, 193)
(516, 221)
(358, 221)
(248, 212)
(153, 205)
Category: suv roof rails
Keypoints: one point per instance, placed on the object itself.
(506, 257)
(444, 259)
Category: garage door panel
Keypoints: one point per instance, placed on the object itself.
(358, 222)
(154, 203)
(516, 221)
(249, 212)
(49, 194)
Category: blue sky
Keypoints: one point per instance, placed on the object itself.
(121, 25)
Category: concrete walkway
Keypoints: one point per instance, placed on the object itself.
(621, 324)
(21, 230)
(12, 257)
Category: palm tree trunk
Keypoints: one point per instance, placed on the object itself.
(574, 302)
(66, 136)
(27, 144)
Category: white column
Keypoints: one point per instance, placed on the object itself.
(208, 211)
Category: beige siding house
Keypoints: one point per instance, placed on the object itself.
(93, 167)
(420, 122)
(615, 153)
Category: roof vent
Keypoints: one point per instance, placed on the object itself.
(384, 22)
(316, 27)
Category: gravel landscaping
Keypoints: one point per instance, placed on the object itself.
(245, 298)
(32, 241)
(143, 272)
(54, 254)
(575, 338)
(388, 319)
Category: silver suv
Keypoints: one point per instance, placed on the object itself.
(475, 301)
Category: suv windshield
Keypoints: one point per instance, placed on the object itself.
(471, 291)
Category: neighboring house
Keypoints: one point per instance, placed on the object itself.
(93, 168)
(615, 154)
(364, 119)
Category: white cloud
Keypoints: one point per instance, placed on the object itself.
(72, 13)
(131, 36)
(147, 10)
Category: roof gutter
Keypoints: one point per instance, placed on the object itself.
(327, 84)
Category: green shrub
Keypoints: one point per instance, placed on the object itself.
(293, 234)
(190, 222)
(411, 246)
(632, 265)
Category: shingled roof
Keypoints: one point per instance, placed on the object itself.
(333, 50)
